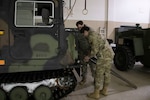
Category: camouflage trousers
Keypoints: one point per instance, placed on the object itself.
(102, 73)
(84, 69)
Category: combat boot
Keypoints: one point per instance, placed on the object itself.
(104, 90)
(95, 94)
(82, 82)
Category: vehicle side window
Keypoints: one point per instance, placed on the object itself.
(34, 14)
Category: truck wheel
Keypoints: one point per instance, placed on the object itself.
(42, 93)
(3, 95)
(19, 93)
(124, 59)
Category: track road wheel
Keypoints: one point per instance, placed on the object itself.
(124, 59)
(18, 93)
(42, 93)
(3, 95)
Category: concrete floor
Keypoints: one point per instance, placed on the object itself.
(118, 89)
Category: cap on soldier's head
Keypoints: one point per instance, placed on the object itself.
(79, 22)
(85, 28)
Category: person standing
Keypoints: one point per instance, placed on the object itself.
(100, 49)
(84, 49)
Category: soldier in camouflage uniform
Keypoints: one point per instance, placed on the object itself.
(83, 50)
(101, 49)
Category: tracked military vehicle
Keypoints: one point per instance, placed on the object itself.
(37, 54)
(132, 45)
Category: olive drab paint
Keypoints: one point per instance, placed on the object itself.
(37, 53)
(133, 45)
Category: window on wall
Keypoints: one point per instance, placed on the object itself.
(34, 13)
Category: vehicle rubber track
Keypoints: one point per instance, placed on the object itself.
(30, 77)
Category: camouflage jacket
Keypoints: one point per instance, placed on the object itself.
(99, 46)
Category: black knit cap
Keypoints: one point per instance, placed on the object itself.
(85, 28)
(79, 22)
